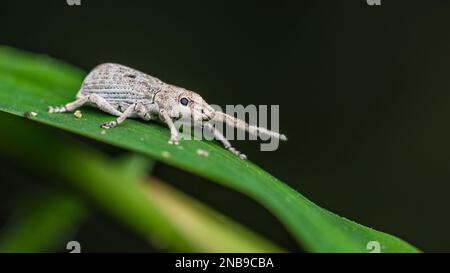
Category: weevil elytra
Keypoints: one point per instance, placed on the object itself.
(128, 93)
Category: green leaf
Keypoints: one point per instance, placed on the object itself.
(31, 82)
(119, 187)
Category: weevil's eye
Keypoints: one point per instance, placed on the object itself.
(184, 101)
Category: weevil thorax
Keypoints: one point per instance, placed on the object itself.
(181, 103)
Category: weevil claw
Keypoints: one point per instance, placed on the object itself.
(108, 125)
(173, 141)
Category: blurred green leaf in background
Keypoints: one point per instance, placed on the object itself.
(30, 83)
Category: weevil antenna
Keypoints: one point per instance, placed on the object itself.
(242, 125)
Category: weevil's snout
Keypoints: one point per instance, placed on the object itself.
(207, 112)
(201, 111)
(200, 114)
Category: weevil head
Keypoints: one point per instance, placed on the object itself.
(181, 103)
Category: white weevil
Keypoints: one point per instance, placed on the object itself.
(127, 93)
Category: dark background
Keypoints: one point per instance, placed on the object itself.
(363, 94)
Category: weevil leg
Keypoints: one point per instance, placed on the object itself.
(98, 101)
(69, 106)
(173, 130)
(143, 113)
(220, 137)
(135, 108)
